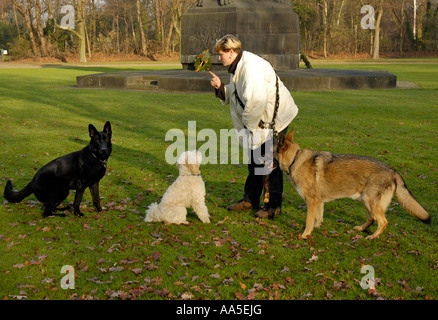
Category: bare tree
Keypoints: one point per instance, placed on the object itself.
(80, 22)
(39, 27)
(376, 47)
(144, 50)
(24, 8)
(146, 27)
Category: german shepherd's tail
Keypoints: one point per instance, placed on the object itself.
(16, 196)
(408, 202)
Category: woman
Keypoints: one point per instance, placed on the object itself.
(261, 104)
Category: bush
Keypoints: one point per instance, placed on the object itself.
(7, 33)
(203, 61)
(19, 49)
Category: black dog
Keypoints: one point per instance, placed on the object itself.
(76, 171)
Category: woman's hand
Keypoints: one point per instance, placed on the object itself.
(215, 81)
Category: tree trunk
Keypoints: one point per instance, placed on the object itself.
(144, 50)
(414, 30)
(28, 23)
(117, 33)
(169, 37)
(39, 27)
(93, 30)
(376, 47)
(87, 37)
(16, 22)
(325, 24)
(81, 31)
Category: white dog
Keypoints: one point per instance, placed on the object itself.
(187, 191)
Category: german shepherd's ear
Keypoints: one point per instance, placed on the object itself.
(107, 128)
(290, 136)
(281, 141)
(92, 130)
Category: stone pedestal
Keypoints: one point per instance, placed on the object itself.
(268, 28)
(190, 81)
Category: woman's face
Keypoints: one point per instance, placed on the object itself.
(227, 58)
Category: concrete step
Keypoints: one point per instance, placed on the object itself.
(190, 81)
(143, 84)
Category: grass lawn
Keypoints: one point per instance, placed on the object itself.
(115, 255)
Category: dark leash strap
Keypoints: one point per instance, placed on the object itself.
(266, 125)
(238, 98)
(293, 161)
(262, 124)
(271, 125)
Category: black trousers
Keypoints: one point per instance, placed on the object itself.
(255, 182)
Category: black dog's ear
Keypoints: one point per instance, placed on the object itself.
(107, 128)
(92, 130)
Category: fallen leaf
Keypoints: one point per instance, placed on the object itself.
(18, 297)
(187, 295)
(285, 269)
(313, 258)
(11, 244)
(137, 270)
(258, 286)
(222, 221)
(252, 295)
(116, 269)
(240, 296)
(155, 255)
(48, 280)
(87, 227)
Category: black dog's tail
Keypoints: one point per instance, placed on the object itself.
(16, 196)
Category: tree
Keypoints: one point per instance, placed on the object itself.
(39, 28)
(376, 47)
(80, 22)
(25, 10)
(144, 50)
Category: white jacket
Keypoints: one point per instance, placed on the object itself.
(254, 80)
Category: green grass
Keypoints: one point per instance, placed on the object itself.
(116, 255)
(421, 73)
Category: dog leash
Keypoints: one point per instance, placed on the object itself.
(262, 124)
(271, 125)
(295, 158)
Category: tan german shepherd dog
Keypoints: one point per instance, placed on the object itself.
(321, 177)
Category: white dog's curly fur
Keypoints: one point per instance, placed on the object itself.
(187, 191)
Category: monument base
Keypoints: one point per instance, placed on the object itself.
(190, 81)
(268, 28)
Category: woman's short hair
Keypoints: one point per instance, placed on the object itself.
(228, 42)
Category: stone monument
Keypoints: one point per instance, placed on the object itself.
(268, 28)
